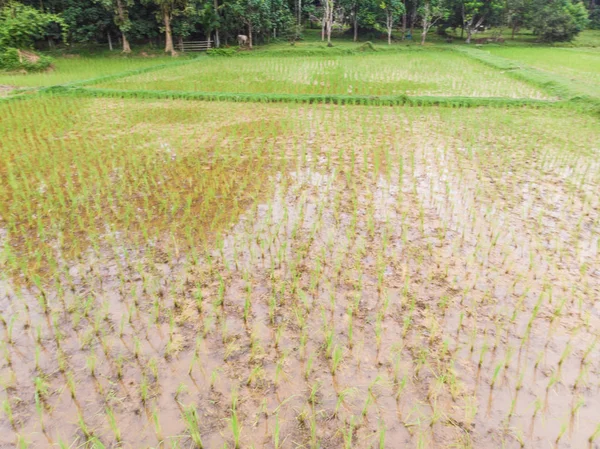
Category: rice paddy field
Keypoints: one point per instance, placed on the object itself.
(177, 273)
(411, 72)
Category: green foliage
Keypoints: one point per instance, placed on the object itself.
(224, 51)
(86, 20)
(367, 46)
(11, 59)
(559, 21)
(594, 18)
(21, 26)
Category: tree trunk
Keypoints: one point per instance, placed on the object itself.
(330, 27)
(413, 18)
(355, 19)
(126, 47)
(122, 13)
(217, 40)
(514, 30)
(404, 19)
(426, 25)
(472, 28)
(169, 48)
(110, 47)
(250, 36)
(462, 26)
(323, 24)
(299, 12)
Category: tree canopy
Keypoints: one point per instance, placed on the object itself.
(164, 22)
(21, 25)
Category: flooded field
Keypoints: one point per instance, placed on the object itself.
(187, 274)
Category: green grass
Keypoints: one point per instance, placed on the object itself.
(525, 38)
(580, 67)
(76, 68)
(424, 73)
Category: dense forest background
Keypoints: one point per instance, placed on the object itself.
(164, 23)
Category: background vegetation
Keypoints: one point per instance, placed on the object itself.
(164, 23)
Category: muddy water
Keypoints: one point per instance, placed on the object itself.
(410, 290)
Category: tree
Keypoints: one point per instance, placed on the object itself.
(328, 6)
(254, 14)
(594, 17)
(87, 20)
(21, 26)
(216, 22)
(355, 8)
(121, 18)
(431, 11)
(559, 20)
(210, 19)
(393, 9)
(474, 12)
(280, 18)
(518, 14)
(167, 9)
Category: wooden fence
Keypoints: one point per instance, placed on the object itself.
(194, 46)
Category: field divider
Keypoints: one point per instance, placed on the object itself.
(324, 51)
(370, 100)
(19, 94)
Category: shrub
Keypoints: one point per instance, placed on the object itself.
(21, 26)
(13, 59)
(560, 21)
(595, 18)
(367, 46)
(222, 52)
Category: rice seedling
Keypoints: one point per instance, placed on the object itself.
(594, 435)
(191, 418)
(112, 421)
(234, 423)
(7, 408)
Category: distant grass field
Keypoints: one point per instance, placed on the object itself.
(440, 73)
(73, 68)
(581, 66)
